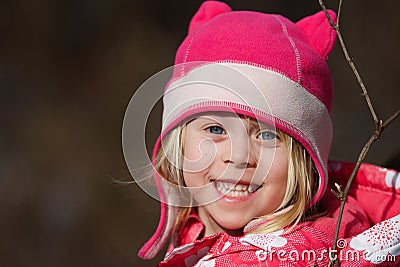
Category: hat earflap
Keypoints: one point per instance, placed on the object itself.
(321, 35)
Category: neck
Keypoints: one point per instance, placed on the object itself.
(212, 227)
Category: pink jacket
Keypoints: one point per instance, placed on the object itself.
(369, 235)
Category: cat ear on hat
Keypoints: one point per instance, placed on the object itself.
(207, 11)
(320, 33)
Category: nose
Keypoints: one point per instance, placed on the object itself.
(241, 154)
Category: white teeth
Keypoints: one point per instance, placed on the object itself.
(232, 190)
(229, 186)
(252, 188)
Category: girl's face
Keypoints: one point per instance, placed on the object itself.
(236, 170)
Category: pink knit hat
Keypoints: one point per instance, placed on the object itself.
(255, 64)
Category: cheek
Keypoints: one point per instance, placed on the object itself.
(192, 150)
(279, 167)
(273, 166)
(193, 179)
(264, 163)
(198, 155)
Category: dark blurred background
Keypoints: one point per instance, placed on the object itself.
(68, 69)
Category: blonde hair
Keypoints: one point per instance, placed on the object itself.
(300, 188)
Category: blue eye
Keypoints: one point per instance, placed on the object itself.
(267, 135)
(215, 130)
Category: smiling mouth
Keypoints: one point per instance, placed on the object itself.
(236, 190)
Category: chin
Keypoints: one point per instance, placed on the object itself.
(233, 223)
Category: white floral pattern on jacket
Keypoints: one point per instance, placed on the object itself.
(265, 241)
(379, 240)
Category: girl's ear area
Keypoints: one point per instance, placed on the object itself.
(320, 33)
(207, 11)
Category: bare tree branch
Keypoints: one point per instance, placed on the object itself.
(391, 119)
(380, 126)
(351, 62)
(339, 13)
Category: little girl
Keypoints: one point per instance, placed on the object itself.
(242, 160)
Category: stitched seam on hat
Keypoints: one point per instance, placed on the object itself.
(309, 89)
(296, 51)
(240, 62)
(186, 55)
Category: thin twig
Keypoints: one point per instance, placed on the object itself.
(343, 194)
(391, 119)
(351, 63)
(380, 126)
(339, 14)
